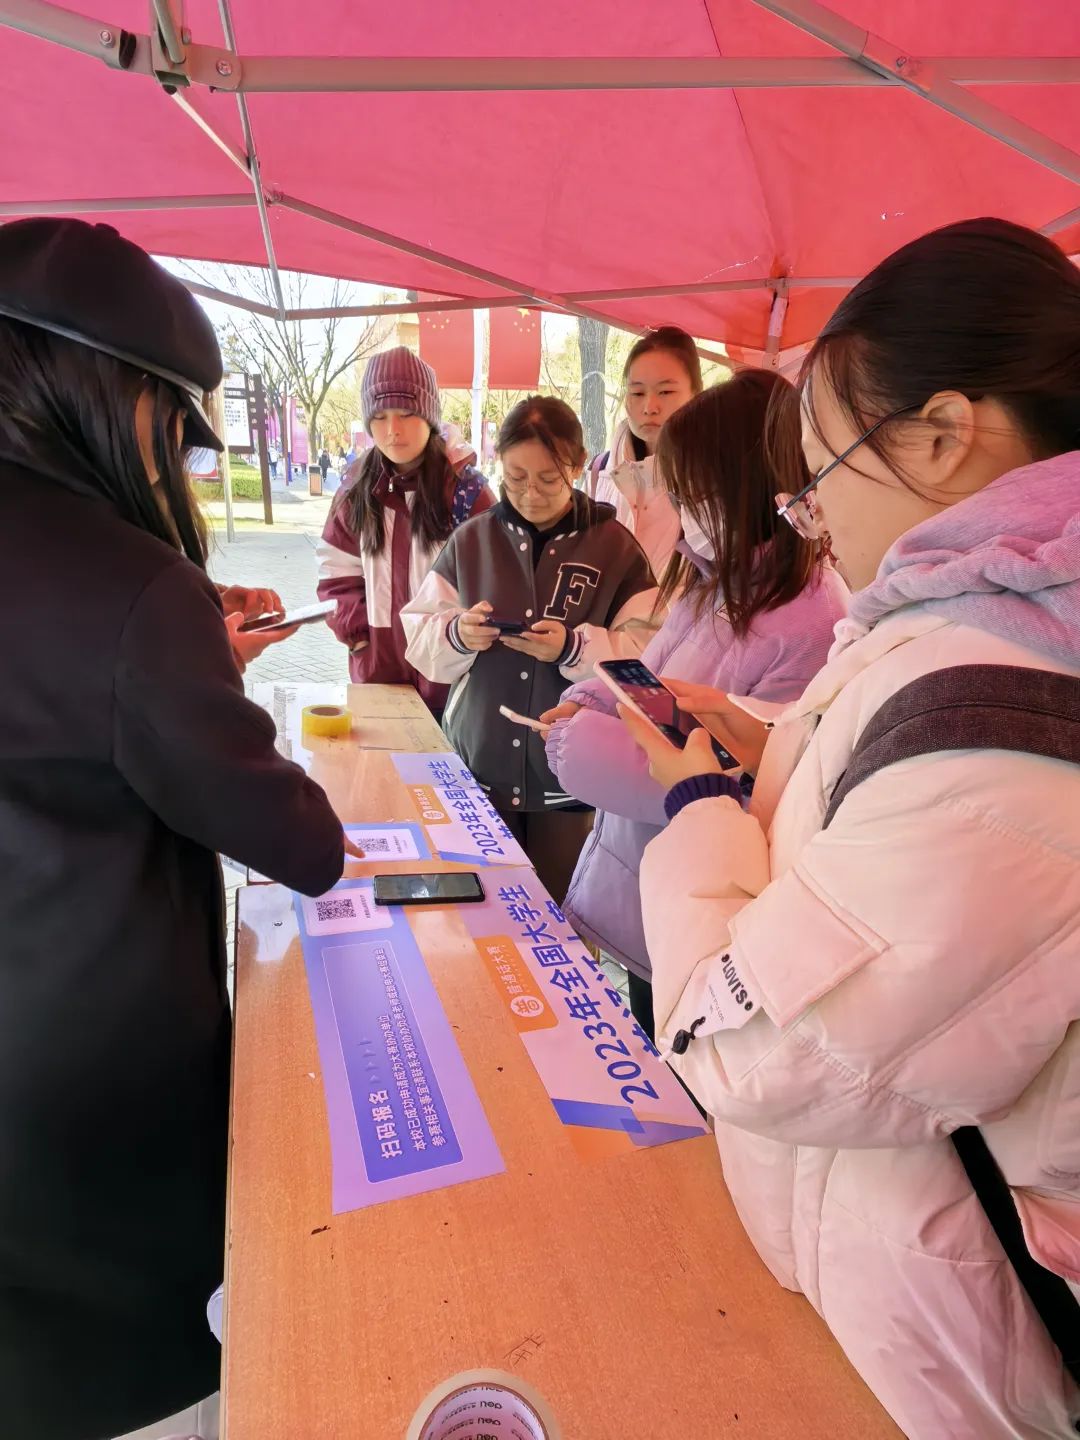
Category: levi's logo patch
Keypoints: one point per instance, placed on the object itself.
(731, 999)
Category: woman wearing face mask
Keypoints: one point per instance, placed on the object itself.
(558, 564)
(753, 613)
(912, 968)
(128, 758)
(662, 372)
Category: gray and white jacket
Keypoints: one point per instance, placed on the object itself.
(588, 572)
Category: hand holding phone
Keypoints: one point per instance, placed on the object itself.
(636, 687)
(668, 765)
(545, 640)
(743, 733)
(303, 615)
(475, 629)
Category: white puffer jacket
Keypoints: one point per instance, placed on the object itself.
(916, 968)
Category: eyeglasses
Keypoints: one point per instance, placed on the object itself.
(798, 510)
(547, 487)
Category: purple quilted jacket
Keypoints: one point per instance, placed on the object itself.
(595, 759)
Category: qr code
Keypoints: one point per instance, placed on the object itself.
(377, 845)
(337, 907)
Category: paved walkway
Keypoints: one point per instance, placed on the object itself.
(281, 556)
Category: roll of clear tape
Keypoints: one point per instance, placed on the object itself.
(326, 720)
(481, 1403)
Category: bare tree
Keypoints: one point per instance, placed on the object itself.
(592, 346)
(343, 405)
(302, 358)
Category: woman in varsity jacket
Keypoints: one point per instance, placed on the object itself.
(549, 558)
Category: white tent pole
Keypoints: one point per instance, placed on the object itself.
(253, 167)
(224, 70)
(572, 297)
(118, 48)
(528, 294)
(238, 302)
(107, 205)
(229, 151)
(926, 78)
(478, 386)
(393, 75)
(406, 247)
(167, 28)
(1053, 227)
(777, 315)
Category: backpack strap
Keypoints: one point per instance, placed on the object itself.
(593, 471)
(968, 707)
(984, 707)
(1055, 1304)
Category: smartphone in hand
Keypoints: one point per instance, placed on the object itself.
(304, 615)
(640, 690)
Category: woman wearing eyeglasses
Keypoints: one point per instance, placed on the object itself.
(845, 999)
(556, 565)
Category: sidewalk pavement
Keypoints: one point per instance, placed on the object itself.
(281, 556)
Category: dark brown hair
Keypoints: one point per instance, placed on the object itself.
(430, 518)
(985, 307)
(553, 423)
(675, 342)
(718, 465)
(67, 411)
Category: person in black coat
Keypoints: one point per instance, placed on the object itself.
(129, 757)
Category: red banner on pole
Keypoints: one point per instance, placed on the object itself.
(446, 343)
(514, 362)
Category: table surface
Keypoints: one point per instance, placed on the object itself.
(624, 1289)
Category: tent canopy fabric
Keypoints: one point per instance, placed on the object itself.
(742, 166)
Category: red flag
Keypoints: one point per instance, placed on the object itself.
(514, 362)
(446, 343)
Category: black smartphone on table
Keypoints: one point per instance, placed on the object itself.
(453, 887)
(647, 695)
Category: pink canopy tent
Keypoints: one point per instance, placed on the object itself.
(726, 165)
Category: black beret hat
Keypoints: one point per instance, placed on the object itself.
(89, 284)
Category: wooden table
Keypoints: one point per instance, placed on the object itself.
(623, 1289)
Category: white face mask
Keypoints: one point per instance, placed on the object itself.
(694, 536)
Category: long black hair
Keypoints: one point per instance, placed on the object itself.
(722, 464)
(431, 518)
(68, 412)
(983, 307)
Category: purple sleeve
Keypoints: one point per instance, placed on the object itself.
(591, 695)
(597, 762)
